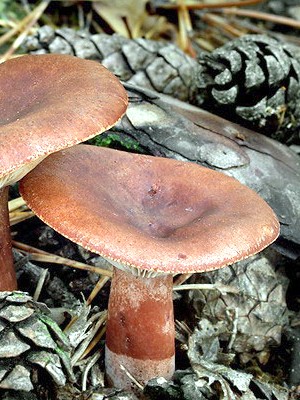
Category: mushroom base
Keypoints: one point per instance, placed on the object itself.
(140, 329)
(8, 281)
(142, 371)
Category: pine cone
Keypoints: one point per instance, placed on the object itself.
(254, 317)
(255, 80)
(33, 348)
(155, 65)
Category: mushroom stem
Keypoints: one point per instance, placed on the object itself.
(8, 280)
(140, 329)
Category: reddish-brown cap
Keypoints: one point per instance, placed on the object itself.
(149, 213)
(50, 102)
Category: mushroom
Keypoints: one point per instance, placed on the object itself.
(152, 218)
(48, 103)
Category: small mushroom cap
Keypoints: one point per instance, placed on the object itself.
(149, 213)
(51, 102)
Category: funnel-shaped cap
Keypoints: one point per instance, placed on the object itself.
(149, 213)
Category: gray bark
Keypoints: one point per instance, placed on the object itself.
(166, 127)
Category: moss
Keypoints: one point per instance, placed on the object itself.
(116, 141)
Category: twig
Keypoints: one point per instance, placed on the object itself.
(193, 6)
(131, 377)
(184, 327)
(16, 203)
(91, 340)
(42, 256)
(182, 278)
(208, 286)
(40, 285)
(15, 29)
(94, 342)
(234, 328)
(90, 364)
(18, 216)
(99, 285)
(34, 16)
(185, 28)
(276, 19)
(212, 20)
(7, 24)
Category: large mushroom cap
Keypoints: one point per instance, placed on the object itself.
(150, 213)
(50, 102)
